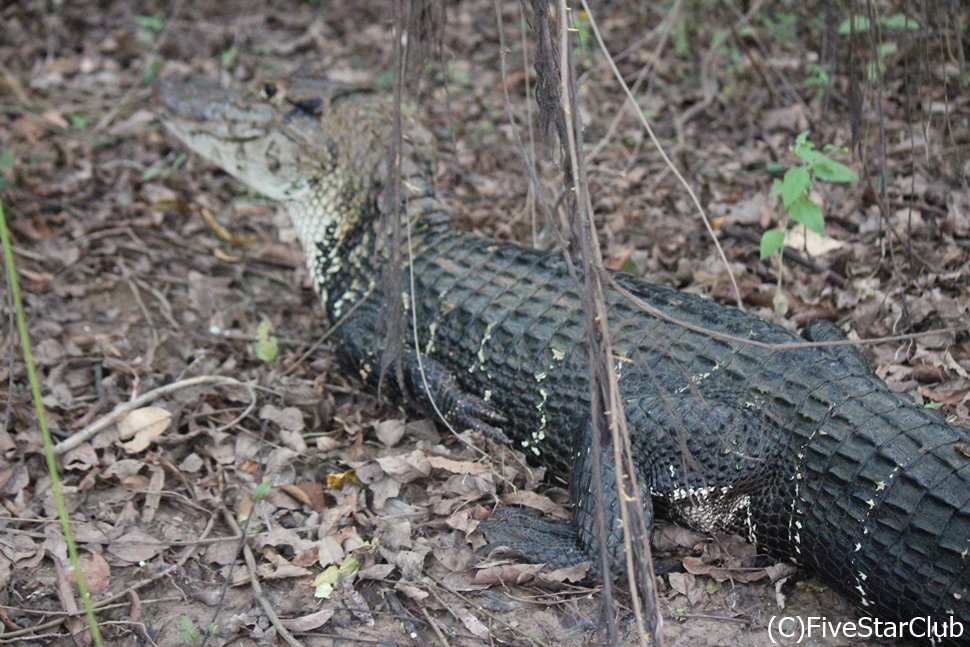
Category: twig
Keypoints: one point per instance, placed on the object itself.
(283, 632)
(127, 407)
(534, 640)
(663, 154)
(434, 626)
(184, 557)
(716, 334)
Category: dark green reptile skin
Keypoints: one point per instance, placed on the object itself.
(803, 450)
(843, 474)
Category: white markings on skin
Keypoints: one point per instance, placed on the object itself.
(540, 433)
(432, 331)
(488, 395)
(697, 379)
(481, 348)
(709, 509)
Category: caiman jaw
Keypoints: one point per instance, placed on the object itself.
(280, 157)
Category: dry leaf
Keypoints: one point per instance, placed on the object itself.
(389, 432)
(309, 494)
(457, 467)
(135, 546)
(143, 426)
(407, 467)
(538, 502)
(308, 622)
(808, 241)
(97, 573)
(289, 418)
(337, 481)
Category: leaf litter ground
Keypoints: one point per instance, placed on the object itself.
(142, 267)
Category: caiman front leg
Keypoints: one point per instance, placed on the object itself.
(428, 385)
(562, 544)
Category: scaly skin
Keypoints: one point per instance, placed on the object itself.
(802, 449)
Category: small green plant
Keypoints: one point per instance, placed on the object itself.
(7, 162)
(267, 346)
(229, 57)
(782, 25)
(582, 53)
(819, 77)
(188, 632)
(151, 71)
(79, 121)
(164, 167)
(151, 27)
(795, 191)
(261, 491)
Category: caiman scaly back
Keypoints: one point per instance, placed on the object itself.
(803, 450)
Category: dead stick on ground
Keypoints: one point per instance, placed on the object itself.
(9, 636)
(125, 408)
(283, 632)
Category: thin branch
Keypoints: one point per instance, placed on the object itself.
(125, 408)
(656, 142)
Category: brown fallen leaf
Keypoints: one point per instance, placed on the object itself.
(143, 426)
(97, 573)
(695, 566)
(390, 432)
(457, 467)
(507, 574)
(309, 494)
(308, 622)
(405, 467)
(538, 502)
(135, 546)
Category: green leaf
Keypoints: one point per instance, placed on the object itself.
(7, 159)
(855, 24)
(806, 212)
(629, 267)
(267, 346)
(776, 187)
(349, 566)
(900, 21)
(151, 71)
(805, 147)
(261, 491)
(78, 121)
(228, 58)
(796, 183)
(187, 630)
(827, 169)
(153, 24)
(771, 242)
(932, 404)
(888, 49)
(771, 166)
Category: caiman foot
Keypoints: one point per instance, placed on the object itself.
(438, 389)
(538, 540)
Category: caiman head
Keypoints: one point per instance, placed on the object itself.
(280, 155)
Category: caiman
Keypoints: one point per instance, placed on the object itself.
(802, 449)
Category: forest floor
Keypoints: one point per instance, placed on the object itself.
(142, 266)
